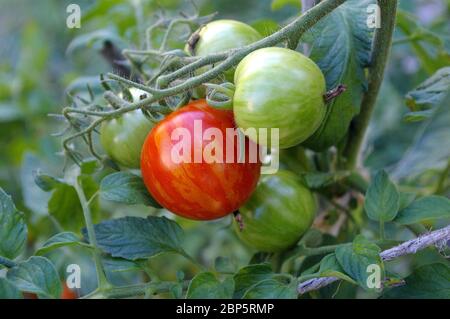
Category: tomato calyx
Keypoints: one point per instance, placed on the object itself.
(220, 96)
(334, 93)
(239, 220)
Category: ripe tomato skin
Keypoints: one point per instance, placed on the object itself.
(279, 88)
(200, 191)
(122, 137)
(277, 214)
(68, 293)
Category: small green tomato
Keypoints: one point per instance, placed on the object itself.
(122, 138)
(219, 36)
(279, 88)
(277, 214)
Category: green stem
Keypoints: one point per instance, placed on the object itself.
(101, 277)
(89, 202)
(8, 263)
(192, 260)
(380, 54)
(357, 182)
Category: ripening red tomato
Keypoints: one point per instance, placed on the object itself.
(191, 168)
(68, 293)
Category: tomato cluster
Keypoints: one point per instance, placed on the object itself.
(184, 159)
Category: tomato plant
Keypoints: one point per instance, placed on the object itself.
(278, 213)
(279, 88)
(197, 190)
(130, 186)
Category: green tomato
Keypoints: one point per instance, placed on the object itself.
(219, 36)
(277, 214)
(123, 137)
(279, 88)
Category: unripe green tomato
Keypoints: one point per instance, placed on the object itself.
(277, 214)
(279, 88)
(123, 137)
(219, 36)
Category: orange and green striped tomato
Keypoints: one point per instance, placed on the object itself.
(187, 172)
(278, 213)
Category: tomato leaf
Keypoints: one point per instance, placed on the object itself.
(280, 4)
(317, 180)
(427, 282)
(265, 26)
(127, 188)
(60, 240)
(382, 199)
(13, 230)
(205, 285)
(36, 275)
(94, 39)
(134, 238)
(249, 276)
(418, 116)
(428, 46)
(431, 92)
(330, 267)
(272, 289)
(34, 197)
(46, 182)
(8, 290)
(425, 208)
(431, 147)
(65, 205)
(113, 265)
(356, 258)
(341, 45)
(224, 264)
(406, 199)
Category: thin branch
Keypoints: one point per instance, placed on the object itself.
(380, 54)
(293, 41)
(229, 59)
(102, 281)
(412, 246)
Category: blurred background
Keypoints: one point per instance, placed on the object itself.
(41, 60)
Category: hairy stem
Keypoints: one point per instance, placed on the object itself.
(227, 60)
(409, 247)
(380, 54)
(101, 277)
